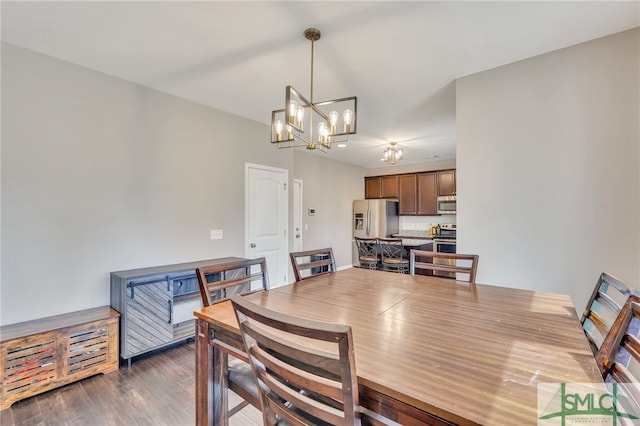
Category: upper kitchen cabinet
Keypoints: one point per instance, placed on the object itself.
(447, 182)
(389, 186)
(417, 192)
(427, 193)
(372, 188)
(407, 192)
(381, 187)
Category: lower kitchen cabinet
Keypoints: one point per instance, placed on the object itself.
(156, 305)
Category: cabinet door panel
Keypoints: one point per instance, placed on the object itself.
(427, 194)
(389, 186)
(29, 362)
(407, 194)
(447, 182)
(372, 187)
(148, 319)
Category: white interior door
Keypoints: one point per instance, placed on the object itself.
(267, 201)
(297, 215)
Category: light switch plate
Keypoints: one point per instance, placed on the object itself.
(215, 234)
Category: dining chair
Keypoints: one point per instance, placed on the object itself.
(619, 356)
(452, 263)
(305, 370)
(393, 255)
(604, 305)
(368, 252)
(307, 264)
(217, 283)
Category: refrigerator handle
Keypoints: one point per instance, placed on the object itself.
(368, 222)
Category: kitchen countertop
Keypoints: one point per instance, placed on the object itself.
(414, 235)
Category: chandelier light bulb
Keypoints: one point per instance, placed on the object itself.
(333, 121)
(300, 117)
(279, 130)
(293, 110)
(289, 132)
(322, 132)
(347, 116)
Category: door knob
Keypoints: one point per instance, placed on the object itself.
(253, 245)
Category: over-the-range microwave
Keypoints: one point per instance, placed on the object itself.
(446, 204)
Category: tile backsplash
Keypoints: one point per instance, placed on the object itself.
(422, 223)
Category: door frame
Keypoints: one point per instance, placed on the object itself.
(298, 212)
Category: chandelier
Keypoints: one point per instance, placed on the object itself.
(293, 126)
(392, 154)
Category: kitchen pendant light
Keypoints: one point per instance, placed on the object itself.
(392, 154)
(293, 126)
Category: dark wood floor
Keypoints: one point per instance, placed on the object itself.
(158, 389)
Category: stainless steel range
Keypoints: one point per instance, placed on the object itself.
(445, 242)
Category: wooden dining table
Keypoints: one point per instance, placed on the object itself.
(428, 350)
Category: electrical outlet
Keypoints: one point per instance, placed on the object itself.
(215, 234)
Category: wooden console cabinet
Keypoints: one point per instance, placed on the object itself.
(157, 305)
(43, 354)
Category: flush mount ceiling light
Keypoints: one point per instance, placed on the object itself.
(293, 126)
(392, 154)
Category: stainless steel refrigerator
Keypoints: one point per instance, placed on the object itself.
(374, 219)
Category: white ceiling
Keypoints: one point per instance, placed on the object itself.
(399, 58)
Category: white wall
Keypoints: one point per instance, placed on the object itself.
(330, 187)
(401, 167)
(423, 223)
(101, 175)
(548, 158)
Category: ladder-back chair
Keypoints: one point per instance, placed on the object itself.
(307, 264)
(305, 370)
(619, 356)
(217, 283)
(454, 263)
(604, 305)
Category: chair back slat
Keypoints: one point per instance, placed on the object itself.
(305, 370)
(603, 307)
(219, 282)
(455, 263)
(307, 264)
(619, 356)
